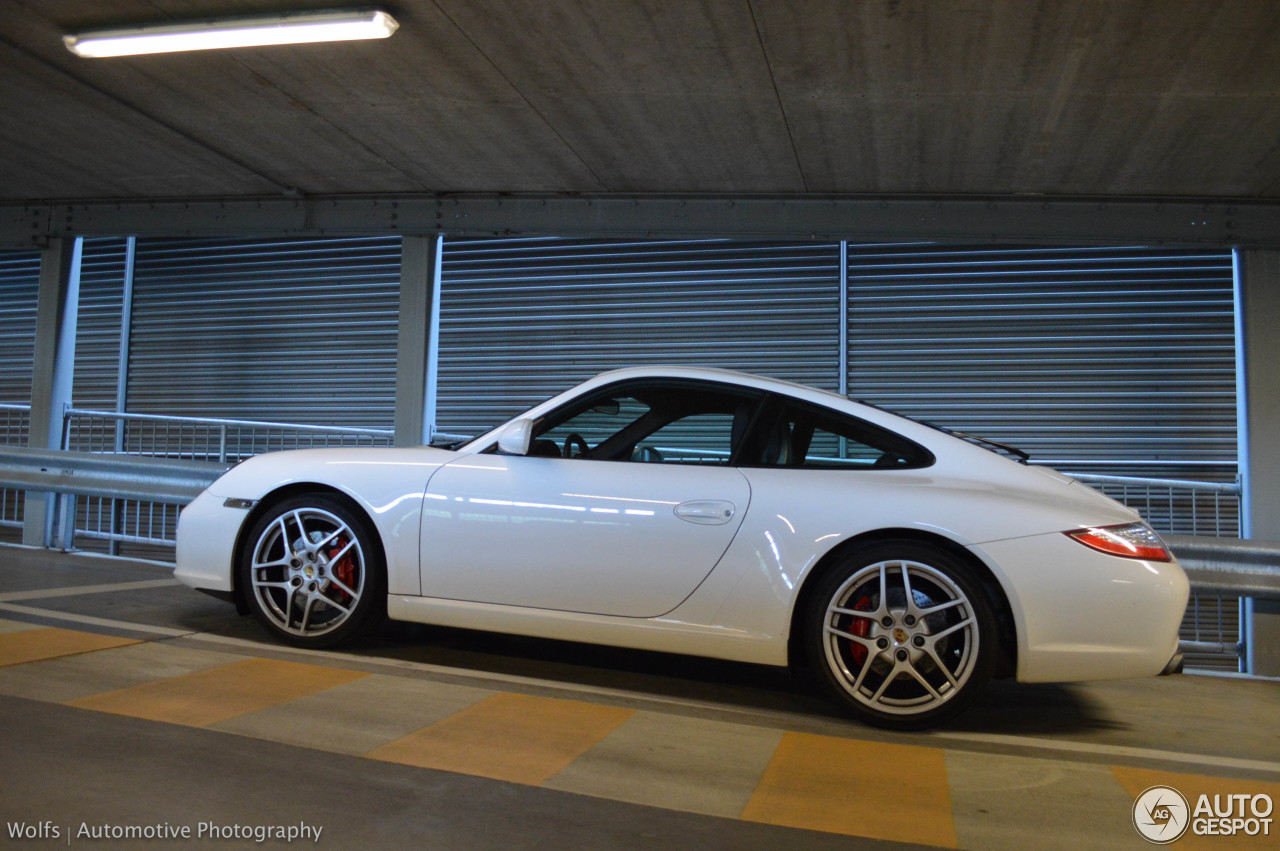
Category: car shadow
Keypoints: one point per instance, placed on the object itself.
(1007, 707)
(1004, 708)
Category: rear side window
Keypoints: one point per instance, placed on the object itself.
(810, 437)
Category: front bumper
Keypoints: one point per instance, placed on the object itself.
(207, 533)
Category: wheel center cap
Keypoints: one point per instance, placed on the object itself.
(309, 571)
(900, 635)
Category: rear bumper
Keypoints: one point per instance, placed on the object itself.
(1084, 615)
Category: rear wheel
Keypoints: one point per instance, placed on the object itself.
(903, 633)
(312, 572)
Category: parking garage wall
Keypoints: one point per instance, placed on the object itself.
(1112, 360)
(19, 287)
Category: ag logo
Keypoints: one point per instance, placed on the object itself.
(1161, 814)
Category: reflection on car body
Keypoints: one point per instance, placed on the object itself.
(713, 513)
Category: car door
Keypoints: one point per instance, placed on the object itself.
(626, 505)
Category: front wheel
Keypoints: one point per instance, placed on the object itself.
(312, 572)
(903, 633)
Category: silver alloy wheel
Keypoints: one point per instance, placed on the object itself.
(307, 572)
(901, 637)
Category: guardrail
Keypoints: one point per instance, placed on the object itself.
(163, 485)
(138, 499)
(1224, 566)
(1243, 568)
(149, 521)
(112, 476)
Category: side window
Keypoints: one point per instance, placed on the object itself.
(590, 427)
(706, 438)
(664, 422)
(812, 438)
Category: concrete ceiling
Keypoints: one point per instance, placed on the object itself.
(793, 97)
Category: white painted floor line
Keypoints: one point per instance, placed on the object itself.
(339, 657)
(1030, 743)
(44, 593)
(1111, 750)
(92, 621)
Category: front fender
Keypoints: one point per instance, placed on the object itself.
(387, 484)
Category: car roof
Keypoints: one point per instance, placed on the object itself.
(729, 376)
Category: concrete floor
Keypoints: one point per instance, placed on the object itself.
(128, 701)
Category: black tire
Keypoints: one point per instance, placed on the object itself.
(898, 664)
(313, 573)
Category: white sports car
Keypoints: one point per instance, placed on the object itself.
(711, 513)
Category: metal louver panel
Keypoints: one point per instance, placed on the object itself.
(294, 330)
(98, 323)
(522, 319)
(19, 292)
(1103, 360)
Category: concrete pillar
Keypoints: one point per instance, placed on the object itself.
(55, 353)
(419, 339)
(1258, 392)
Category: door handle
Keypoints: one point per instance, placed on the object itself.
(706, 512)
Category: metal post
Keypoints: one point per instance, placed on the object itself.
(55, 350)
(842, 381)
(1257, 374)
(126, 337)
(122, 378)
(418, 342)
(433, 339)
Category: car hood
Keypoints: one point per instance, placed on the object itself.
(261, 474)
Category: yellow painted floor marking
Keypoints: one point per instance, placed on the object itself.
(207, 697)
(513, 737)
(871, 789)
(1137, 780)
(32, 645)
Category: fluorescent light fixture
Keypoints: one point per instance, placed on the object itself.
(299, 28)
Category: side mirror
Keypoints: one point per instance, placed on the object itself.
(515, 437)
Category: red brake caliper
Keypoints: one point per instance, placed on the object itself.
(345, 570)
(860, 627)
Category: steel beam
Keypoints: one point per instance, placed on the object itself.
(55, 349)
(418, 340)
(1002, 219)
(1258, 365)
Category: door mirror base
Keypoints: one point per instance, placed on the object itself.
(515, 437)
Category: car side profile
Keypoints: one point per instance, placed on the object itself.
(710, 513)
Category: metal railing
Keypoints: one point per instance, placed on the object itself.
(202, 438)
(112, 513)
(162, 485)
(132, 519)
(1179, 509)
(1228, 566)
(15, 424)
(1176, 506)
(15, 428)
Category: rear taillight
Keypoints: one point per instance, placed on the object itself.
(1131, 540)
